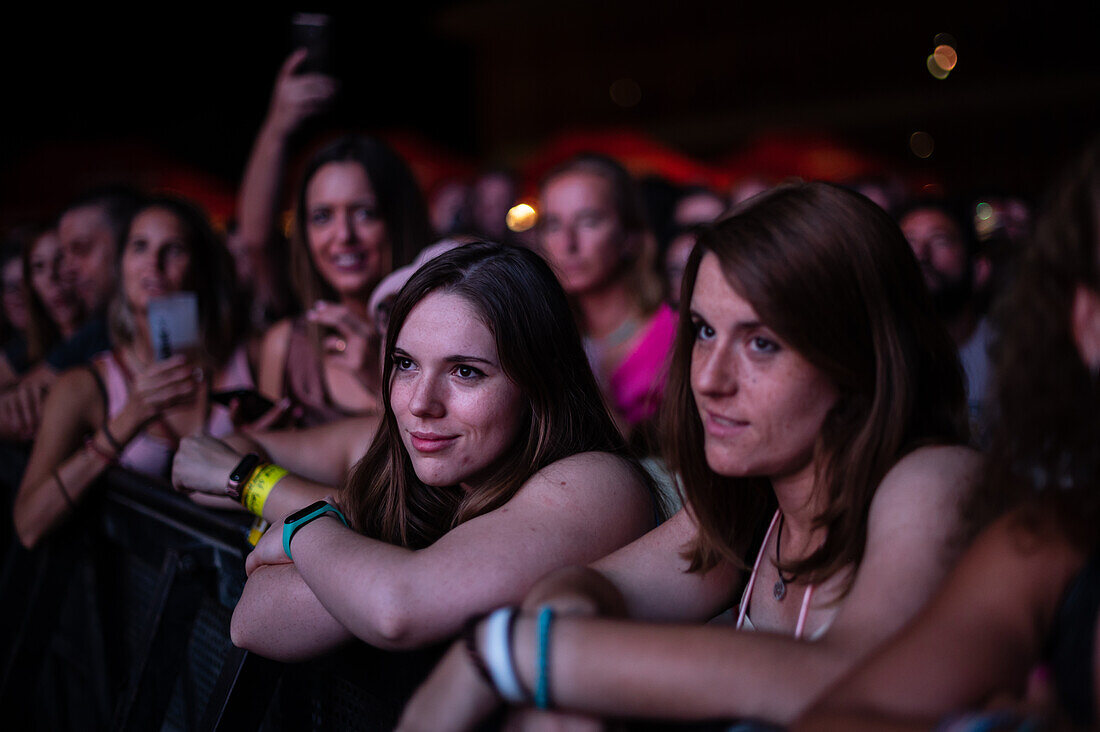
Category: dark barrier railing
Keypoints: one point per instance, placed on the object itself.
(121, 621)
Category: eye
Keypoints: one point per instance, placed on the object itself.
(319, 216)
(137, 245)
(703, 332)
(366, 213)
(403, 363)
(761, 344)
(468, 373)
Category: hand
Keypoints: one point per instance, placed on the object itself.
(454, 696)
(160, 386)
(20, 411)
(356, 346)
(269, 550)
(203, 463)
(296, 98)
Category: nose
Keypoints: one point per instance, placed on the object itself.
(344, 228)
(67, 268)
(715, 372)
(921, 249)
(426, 399)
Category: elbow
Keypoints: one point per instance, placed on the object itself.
(391, 625)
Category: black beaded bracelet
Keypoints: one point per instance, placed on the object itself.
(469, 639)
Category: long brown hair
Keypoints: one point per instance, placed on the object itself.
(1045, 448)
(522, 304)
(833, 276)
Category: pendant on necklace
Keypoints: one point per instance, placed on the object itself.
(779, 591)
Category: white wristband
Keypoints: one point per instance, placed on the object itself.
(498, 655)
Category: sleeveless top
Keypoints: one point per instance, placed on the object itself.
(743, 621)
(638, 383)
(150, 454)
(304, 380)
(1071, 648)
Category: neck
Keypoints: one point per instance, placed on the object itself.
(799, 505)
(605, 309)
(962, 326)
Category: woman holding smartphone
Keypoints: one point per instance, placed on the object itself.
(128, 408)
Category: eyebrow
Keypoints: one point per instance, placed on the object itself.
(457, 358)
(739, 326)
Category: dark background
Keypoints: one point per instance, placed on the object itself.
(94, 93)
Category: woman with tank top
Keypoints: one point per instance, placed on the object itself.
(128, 408)
(816, 420)
(1017, 620)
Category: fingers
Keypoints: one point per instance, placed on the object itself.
(339, 318)
(292, 62)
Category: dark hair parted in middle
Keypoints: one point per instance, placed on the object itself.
(400, 205)
(521, 303)
(832, 275)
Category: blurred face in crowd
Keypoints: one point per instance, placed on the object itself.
(492, 196)
(46, 260)
(156, 259)
(457, 410)
(698, 208)
(941, 252)
(347, 235)
(88, 255)
(676, 261)
(15, 294)
(580, 231)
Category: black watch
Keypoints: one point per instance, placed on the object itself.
(240, 475)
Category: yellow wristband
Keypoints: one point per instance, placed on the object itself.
(259, 486)
(259, 526)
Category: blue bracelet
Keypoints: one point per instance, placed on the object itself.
(542, 660)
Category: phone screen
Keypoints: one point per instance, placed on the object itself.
(174, 324)
(313, 32)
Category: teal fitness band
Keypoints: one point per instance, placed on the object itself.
(300, 518)
(542, 662)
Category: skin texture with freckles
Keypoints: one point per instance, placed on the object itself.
(761, 403)
(457, 410)
(347, 236)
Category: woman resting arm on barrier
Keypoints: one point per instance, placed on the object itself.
(495, 462)
(130, 407)
(817, 429)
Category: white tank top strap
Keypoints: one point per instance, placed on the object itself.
(742, 613)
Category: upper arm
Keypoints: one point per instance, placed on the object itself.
(981, 633)
(279, 617)
(273, 355)
(652, 575)
(571, 512)
(71, 408)
(912, 536)
(324, 453)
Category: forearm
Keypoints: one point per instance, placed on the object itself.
(619, 669)
(279, 617)
(577, 590)
(290, 494)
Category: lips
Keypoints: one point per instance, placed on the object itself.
(349, 261)
(429, 442)
(721, 425)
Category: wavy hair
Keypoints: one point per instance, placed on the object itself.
(1045, 448)
(833, 276)
(521, 303)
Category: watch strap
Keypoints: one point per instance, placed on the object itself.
(291, 524)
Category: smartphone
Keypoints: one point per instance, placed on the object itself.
(253, 404)
(174, 324)
(313, 32)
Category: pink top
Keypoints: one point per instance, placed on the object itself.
(638, 384)
(743, 622)
(152, 455)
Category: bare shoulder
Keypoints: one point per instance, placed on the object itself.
(589, 476)
(928, 475)
(273, 353)
(78, 392)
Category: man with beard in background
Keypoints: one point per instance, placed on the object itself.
(944, 245)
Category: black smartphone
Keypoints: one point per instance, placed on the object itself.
(313, 32)
(253, 404)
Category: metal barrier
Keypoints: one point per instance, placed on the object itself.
(121, 621)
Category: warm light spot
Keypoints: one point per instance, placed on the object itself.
(946, 57)
(625, 92)
(521, 217)
(984, 211)
(922, 144)
(935, 69)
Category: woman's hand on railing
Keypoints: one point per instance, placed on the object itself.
(203, 464)
(454, 697)
(269, 550)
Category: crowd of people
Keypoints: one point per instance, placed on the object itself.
(802, 454)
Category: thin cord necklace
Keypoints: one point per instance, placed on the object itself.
(780, 589)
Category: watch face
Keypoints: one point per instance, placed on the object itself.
(303, 512)
(244, 467)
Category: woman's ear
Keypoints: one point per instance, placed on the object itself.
(1086, 325)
